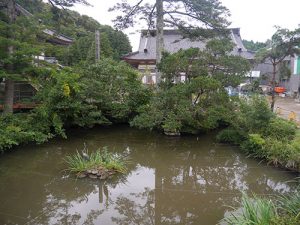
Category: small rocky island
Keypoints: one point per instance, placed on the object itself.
(98, 173)
(100, 164)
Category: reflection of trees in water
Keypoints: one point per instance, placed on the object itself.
(190, 186)
(189, 189)
(136, 211)
(65, 195)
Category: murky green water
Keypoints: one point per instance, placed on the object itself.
(187, 180)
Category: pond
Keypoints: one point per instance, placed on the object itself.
(170, 180)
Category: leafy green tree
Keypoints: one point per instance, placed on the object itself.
(62, 98)
(74, 98)
(254, 46)
(214, 61)
(18, 44)
(82, 50)
(121, 90)
(10, 9)
(284, 43)
(199, 105)
(81, 28)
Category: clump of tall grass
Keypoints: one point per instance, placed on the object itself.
(285, 210)
(100, 159)
(290, 204)
(254, 211)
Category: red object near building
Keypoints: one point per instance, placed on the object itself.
(280, 89)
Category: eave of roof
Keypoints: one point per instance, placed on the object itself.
(62, 39)
(174, 41)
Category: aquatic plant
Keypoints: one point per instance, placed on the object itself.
(254, 211)
(290, 204)
(100, 159)
(284, 210)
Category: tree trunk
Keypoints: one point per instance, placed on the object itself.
(9, 84)
(159, 33)
(97, 45)
(273, 87)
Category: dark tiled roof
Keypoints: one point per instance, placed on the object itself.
(61, 39)
(174, 41)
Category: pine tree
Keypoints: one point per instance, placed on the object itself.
(284, 43)
(208, 17)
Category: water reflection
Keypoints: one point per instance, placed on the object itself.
(184, 180)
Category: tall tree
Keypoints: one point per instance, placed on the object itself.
(11, 11)
(284, 43)
(199, 102)
(9, 83)
(195, 18)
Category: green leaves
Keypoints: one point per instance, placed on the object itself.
(197, 18)
(121, 90)
(200, 102)
(282, 44)
(215, 61)
(199, 105)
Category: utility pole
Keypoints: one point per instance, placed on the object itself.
(159, 35)
(97, 46)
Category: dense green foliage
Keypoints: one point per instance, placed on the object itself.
(104, 93)
(185, 107)
(214, 61)
(23, 42)
(24, 128)
(254, 46)
(199, 103)
(285, 210)
(114, 43)
(115, 88)
(261, 134)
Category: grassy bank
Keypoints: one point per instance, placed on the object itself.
(261, 134)
(284, 210)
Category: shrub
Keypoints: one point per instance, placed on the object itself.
(281, 129)
(22, 128)
(185, 107)
(230, 135)
(254, 145)
(262, 135)
(282, 153)
(252, 115)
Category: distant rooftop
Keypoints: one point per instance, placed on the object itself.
(174, 41)
(55, 37)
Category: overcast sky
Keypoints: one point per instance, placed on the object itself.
(256, 18)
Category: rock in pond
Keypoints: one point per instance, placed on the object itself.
(100, 173)
(81, 175)
(94, 172)
(93, 176)
(175, 134)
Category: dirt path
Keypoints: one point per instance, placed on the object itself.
(285, 106)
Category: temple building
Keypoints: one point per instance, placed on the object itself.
(145, 58)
